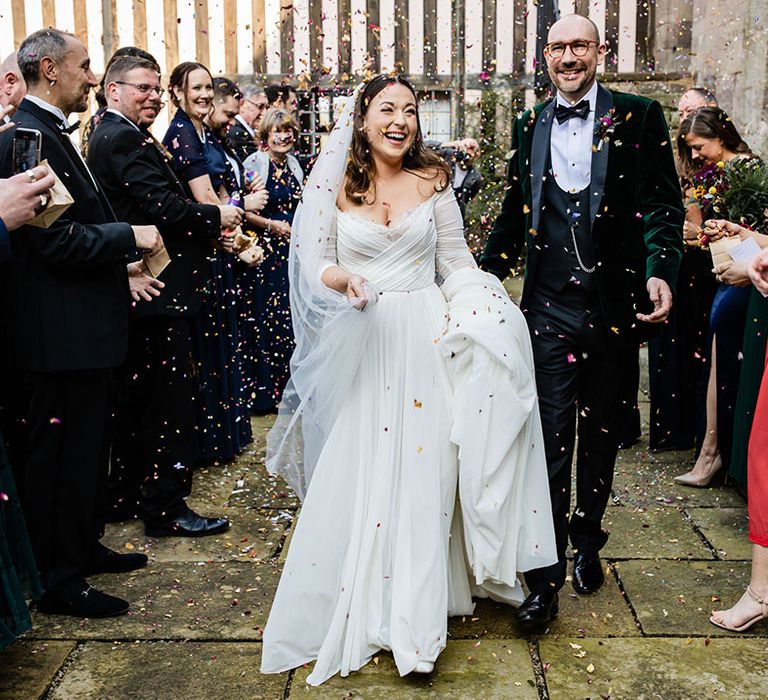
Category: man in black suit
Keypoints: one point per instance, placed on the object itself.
(594, 197)
(242, 136)
(66, 296)
(155, 444)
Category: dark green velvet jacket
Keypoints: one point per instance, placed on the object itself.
(635, 206)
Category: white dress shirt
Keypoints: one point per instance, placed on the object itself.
(571, 146)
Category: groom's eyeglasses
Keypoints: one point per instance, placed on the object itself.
(579, 48)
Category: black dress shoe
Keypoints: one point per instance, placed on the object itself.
(105, 561)
(588, 573)
(188, 525)
(538, 610)
(79, 599)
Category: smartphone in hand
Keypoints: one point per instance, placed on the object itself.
(26, 149)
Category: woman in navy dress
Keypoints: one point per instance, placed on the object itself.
(283, 177)
(708, 136)
(223, 418)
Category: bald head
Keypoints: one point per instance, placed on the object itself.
(574, 24)
(12, 85)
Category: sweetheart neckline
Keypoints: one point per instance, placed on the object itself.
(404, 217)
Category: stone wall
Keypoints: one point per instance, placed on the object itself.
(730, 55)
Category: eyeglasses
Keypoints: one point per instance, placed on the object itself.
(258, 105)
(579, 48)
(144, 89)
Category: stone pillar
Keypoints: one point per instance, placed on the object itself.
(730, 56)
(672, 39)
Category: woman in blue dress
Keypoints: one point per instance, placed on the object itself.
(709, 137)
(198, 159)
(283, 177)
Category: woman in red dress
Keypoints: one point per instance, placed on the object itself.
(753, 604)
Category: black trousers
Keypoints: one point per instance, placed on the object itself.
(581, 376)
(155, 436)
(69, 420)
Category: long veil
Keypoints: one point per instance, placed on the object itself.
(328, 330)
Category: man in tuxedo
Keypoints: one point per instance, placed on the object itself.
(242, 135)
(65, 298)
(593, 195)
(154, 448)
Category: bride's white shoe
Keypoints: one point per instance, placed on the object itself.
(424, 667)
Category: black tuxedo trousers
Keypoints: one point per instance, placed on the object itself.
(155, 443)
(581, 380)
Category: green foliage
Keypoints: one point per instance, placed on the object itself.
(745, 199)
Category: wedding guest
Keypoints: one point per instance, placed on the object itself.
(677, 364)
(693, 99)
(602, 228)
(283, 97)
(66, 292)
(284, 178)
(100, 97)
(155, 446)
(242, 135)
(753, 604)
(706, 138)
(19, 580)
(12, 85)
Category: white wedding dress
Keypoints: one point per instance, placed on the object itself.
(390, 540)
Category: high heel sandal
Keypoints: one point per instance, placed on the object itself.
(762, 615)
(700, 481)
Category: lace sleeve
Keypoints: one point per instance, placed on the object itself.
(452, 251)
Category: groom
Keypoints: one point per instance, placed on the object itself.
(594, 196)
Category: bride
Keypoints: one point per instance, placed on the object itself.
(410, 427)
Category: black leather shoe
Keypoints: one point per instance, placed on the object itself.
(588, 573)
(105, 561)
(537, 611)
(79, 599)
(188, 525)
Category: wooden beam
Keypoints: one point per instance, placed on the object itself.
(202, 51)
(170, 17)
(644, 52)
(344, 22)
(373, 35)
(430, 37)
(230, 37)
(81, 21)
(402, 48)
(259, 29)
(140, 23)
(520, 38)
(489, 35)
(49, 13)
(19, 21)
(286, 36)
(612, 34)
(316, 37)
(109, 38)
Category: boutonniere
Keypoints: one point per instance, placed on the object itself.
(161, 147)
(604, 127)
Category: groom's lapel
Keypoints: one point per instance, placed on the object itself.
(603, 105)
(539, 159)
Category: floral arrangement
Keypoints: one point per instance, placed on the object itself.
(736, 191)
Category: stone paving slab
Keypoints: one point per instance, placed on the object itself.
(27, 668)
(488, 669)
(676, 598)
(254, 535)
(672, 669)
(727, 529)
(151, 670)
(656, 532)
(178, 600)
(213, 485)
(643, 479)
(259, 489)
(602, 614)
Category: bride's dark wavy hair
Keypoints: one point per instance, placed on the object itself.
(361, 167)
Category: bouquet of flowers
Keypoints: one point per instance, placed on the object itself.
(736, 191)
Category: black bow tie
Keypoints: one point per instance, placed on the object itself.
(69, 128)
(563, 113)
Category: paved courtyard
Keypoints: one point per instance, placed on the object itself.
(198, 610)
